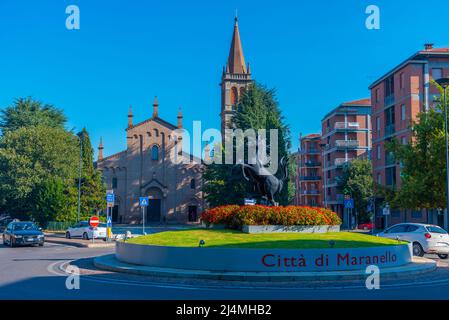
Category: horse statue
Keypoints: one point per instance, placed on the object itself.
(267, 184)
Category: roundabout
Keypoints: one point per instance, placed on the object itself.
(233, 255)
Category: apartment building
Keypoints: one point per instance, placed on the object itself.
(346, 135)
(308, 176)
(397, 98)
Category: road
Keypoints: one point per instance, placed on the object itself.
(39, 273)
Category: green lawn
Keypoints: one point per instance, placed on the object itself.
(237, 239)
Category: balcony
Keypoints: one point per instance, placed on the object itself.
(339, 162)
(311, 192)
(310, 178)
(389, 101)
(346, 126)
(389, 129)
(312, 164)
(347, 144)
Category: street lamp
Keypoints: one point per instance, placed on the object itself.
(79, 178)
(444, 82)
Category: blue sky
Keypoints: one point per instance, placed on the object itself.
(315, 53)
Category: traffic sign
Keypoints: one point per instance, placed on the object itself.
(349, 203)
(143, 201)
(386, 211)
(94, 221)
(109, 222)
(110, 198)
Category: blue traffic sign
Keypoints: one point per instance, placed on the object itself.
(349, 203)
(110, 197)
(143, 201)
(109, 222)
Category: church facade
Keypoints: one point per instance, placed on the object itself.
(147, 167)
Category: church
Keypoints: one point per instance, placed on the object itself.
(146, 168)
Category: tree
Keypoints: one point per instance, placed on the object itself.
(257, 109)
(357, 179)
(27, 112)
(423, 167)
(30, 156)
(51, 203)
(93, 190)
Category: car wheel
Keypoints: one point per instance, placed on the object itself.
(443, 256)
(85, 236)
(417, 250)
(67, 235)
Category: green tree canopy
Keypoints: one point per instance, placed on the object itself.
(357, 179)
(423, 164)
(26, 112)
(30, 156)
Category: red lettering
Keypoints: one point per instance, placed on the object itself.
(265, 263)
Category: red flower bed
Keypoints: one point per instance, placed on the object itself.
(235, 216)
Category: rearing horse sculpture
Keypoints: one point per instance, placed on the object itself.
(266, 183)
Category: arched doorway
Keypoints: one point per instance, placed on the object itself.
(154, 209)
(115, 211)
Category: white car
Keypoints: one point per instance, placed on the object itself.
(85, 231)
(426, 238)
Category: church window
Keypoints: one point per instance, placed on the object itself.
(155, 152)
(234, 96)
(114, 183)
(192, 184)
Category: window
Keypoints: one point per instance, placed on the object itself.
(192, 184)
(437, 73)
(435, 229)
(412, 228)
(378, 153)
(403, 112)
(397, 229)
(390, 176)
(114, 183)
(401, 80)
(379, 178)
(155, 152)
(377, 95)
(234, 96)
(378, 123)
(389, 86)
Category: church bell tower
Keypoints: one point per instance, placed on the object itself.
(235, 79)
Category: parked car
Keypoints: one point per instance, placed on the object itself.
(425, 238)
(365, 226)
(85, 231)
(22, 233)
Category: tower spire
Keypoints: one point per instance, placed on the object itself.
(155, 107)
(180, 118)
(130, 117)
(100, 149)
(236, 60)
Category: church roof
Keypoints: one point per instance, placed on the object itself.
(158, 120)
(236, 60)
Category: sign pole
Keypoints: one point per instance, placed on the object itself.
(143, 220)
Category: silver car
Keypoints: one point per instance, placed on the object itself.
(426, 238)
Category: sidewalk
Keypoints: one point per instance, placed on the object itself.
(110, 263)
(60, 238)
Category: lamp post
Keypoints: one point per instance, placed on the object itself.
(444, 82)
(79, 178)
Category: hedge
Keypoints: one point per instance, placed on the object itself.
(235, 216)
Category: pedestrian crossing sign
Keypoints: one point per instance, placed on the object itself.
(143, 201)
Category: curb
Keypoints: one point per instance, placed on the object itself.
(81, 245)
(110, 263)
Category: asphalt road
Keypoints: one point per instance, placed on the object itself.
(39, 273)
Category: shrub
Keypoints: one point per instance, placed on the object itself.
(235, 216)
